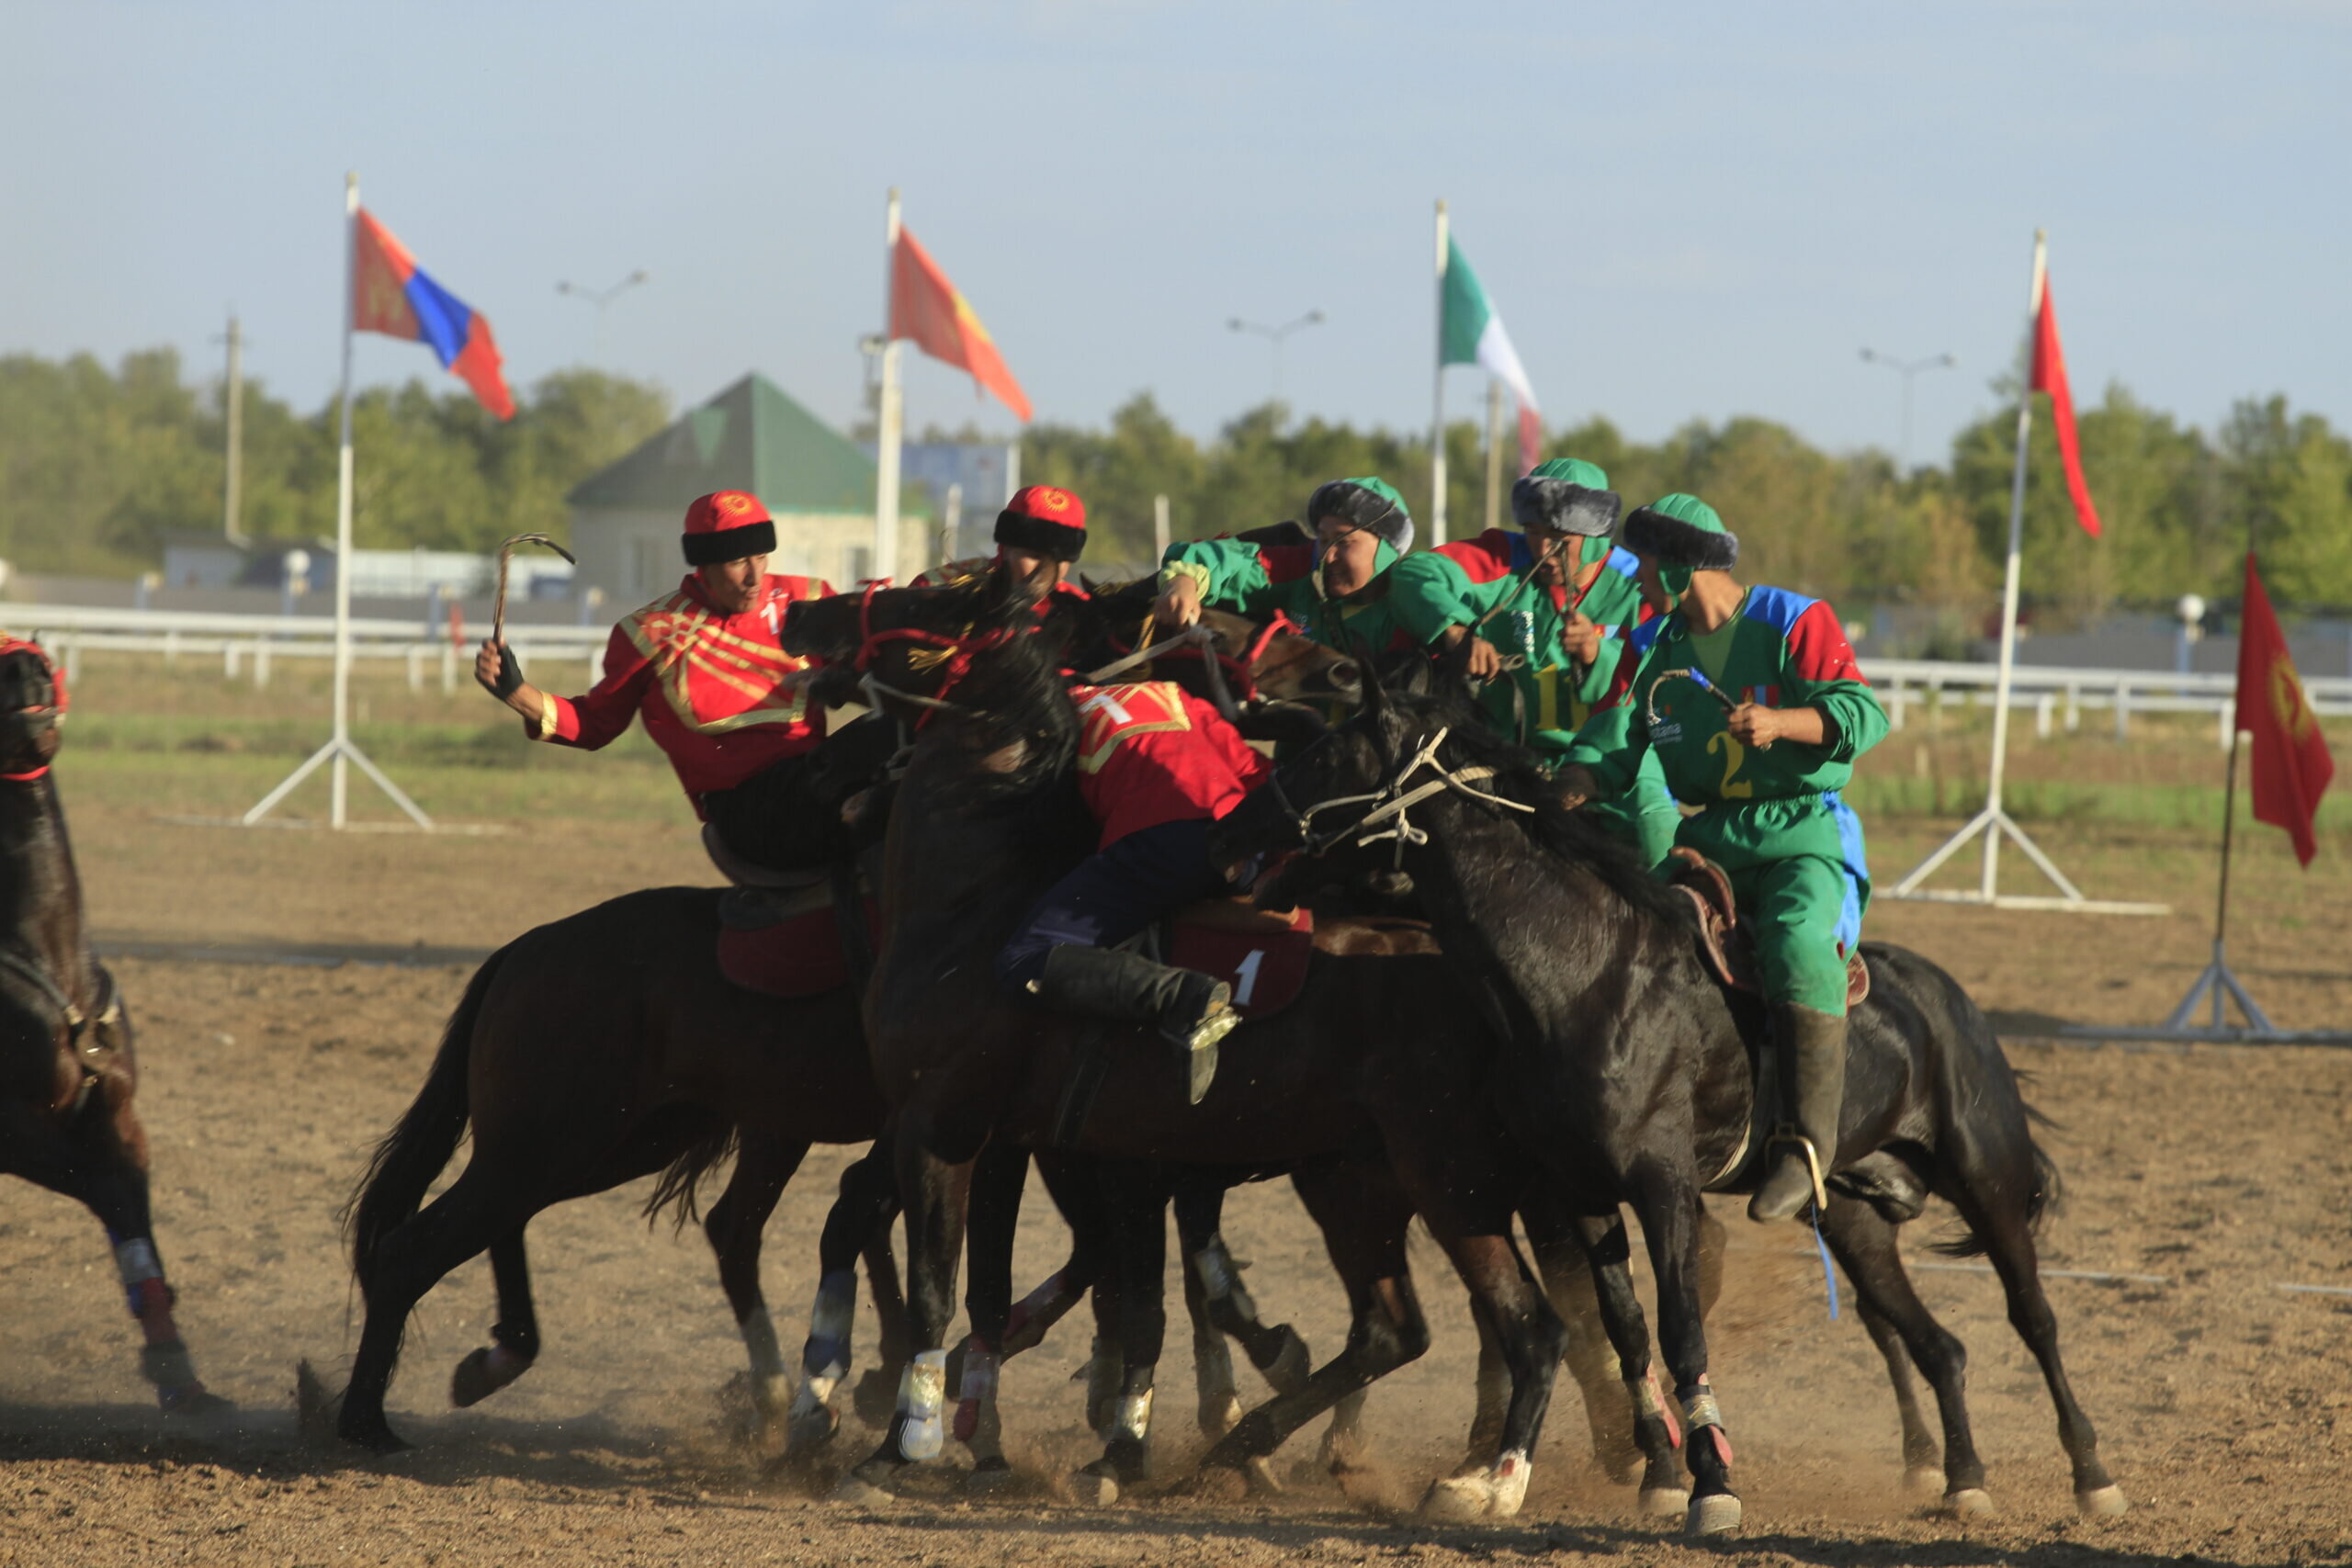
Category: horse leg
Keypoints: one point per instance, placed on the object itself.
(998, 1175)
(515, 1338)
(867, 1202)
(934, 1192)
(1608, 1259)
(1529, 1337)
(93, 1160)
(483, 1207)
(1906, 1334)
(1277, 1352)
(2006, 1234)
(894, 1330)
(1666, 1202)
(1036, 1313)
(764, 1164)
(1135, 1199)
(1362, 1217)
(1197, 1200)
(1563, 1261)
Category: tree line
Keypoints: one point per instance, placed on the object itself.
(98, 463)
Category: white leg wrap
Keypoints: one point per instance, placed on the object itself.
(1132, 1416)
(980, 1376)
(923, 1395)
(826, 1353)
(1511, 1474)
(1215, 1271)
(137, 1261)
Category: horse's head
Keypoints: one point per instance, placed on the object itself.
(32, 701)
(906, 646)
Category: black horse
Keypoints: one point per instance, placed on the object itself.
(1629, 1075)
(66, 1070)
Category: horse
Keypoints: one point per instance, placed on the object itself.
(68, 1072)
(1369, 1087)
(607, 1046)
(1628, 1074)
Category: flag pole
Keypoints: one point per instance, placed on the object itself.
(1994, 821)
(339, 751)
(1437, 397)
(889, 415)
(1494, 451)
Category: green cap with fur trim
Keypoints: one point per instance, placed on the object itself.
(1682, 535)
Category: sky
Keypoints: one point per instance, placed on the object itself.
(1681, 211)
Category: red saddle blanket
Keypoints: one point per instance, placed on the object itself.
(1262, 954)
(784, 941)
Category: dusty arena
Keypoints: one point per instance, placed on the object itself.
(2203, 1231)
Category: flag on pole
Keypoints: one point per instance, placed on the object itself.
(2050, 376)
(926, 308)
(390, 294)
(1471, 332)
(2291, 765)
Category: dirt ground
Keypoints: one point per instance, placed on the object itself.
(2221, 1172)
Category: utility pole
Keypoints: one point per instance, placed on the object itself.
(232, 497)
(1494, 453)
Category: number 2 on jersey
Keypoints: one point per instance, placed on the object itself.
(1734, 754)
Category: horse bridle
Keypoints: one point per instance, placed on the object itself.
(1396, 795)
(956, 653)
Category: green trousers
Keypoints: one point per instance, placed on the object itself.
(1798, 874)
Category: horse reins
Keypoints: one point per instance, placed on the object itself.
(956, 653)
(1393, 799)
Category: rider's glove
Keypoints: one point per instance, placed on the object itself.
(510, 674)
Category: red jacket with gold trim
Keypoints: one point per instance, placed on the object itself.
(1149, 752)
(706, 683)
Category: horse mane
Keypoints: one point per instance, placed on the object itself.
(1015, 691)
(1571, 836)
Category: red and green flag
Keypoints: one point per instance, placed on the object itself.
(1471, 332)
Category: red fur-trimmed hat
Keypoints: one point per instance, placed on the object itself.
(1043, 518)
(726, 524)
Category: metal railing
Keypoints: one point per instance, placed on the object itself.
(2058, 696)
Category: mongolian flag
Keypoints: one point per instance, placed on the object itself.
(926, 308)
(2050, 376)
(390, 294)
(2291, 765)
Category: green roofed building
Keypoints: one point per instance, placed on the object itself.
(818, 486)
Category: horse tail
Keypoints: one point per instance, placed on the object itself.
(679, 1186)
(418, 1148)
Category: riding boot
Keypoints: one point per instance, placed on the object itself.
(1192, 1010)
(1813, 1049)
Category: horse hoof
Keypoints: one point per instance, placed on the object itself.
(2102, 1503)
(990, 1475)
(1458, 1499)
(1288, 1372)
(1664, 1502)
(1923, 1483)
(855, 1489)
(1091, 1490)
(1715, 1514)
(1258, 1475)
(377, 1438)
(1218, 1415)
(810, 1430)
(200, 1403)
(1970, 1503)
(472, 1382)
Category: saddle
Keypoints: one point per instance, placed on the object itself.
(787, 941)
(1261, 954)
(1727, 945)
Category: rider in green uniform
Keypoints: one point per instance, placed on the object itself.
(1335, 588)
(1751, 700)
(1546, 613)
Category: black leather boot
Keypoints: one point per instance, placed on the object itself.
(1192, 1011)
(1813, 1048)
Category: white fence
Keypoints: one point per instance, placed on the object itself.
(248, 645)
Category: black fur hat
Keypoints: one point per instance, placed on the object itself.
(1682, 530)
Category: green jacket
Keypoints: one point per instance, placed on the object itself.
(1258, 580)
(1785, 650)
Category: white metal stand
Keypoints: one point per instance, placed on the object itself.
(1993, 822)
(340, 749)
(1437, 399)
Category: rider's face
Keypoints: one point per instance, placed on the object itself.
(1032, 569)
(1351, 556)
(733, 585)
(1655, 592)
(1561, 563)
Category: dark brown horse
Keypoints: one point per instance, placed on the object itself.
(1371, 1085)
(607, 1046)
(1626, 1071)
(67, 1074)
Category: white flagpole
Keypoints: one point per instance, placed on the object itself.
(1994, 822)
(890, 425)
(339, 752)
(1437, 397)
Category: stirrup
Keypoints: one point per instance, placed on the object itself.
(1786, 1133)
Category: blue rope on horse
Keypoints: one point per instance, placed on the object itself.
(1828, 1274)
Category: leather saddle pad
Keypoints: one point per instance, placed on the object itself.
(1262, 954)
(784, 941)
(1724, 942)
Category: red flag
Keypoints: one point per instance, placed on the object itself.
(390, 294)
(2050, 376)
(925, 307)
(2291, 765)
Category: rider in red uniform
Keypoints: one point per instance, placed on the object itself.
(703, 668)
(1156, 766)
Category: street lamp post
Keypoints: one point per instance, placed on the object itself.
(1907, 369)
(602, 298)
(1274, 336)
